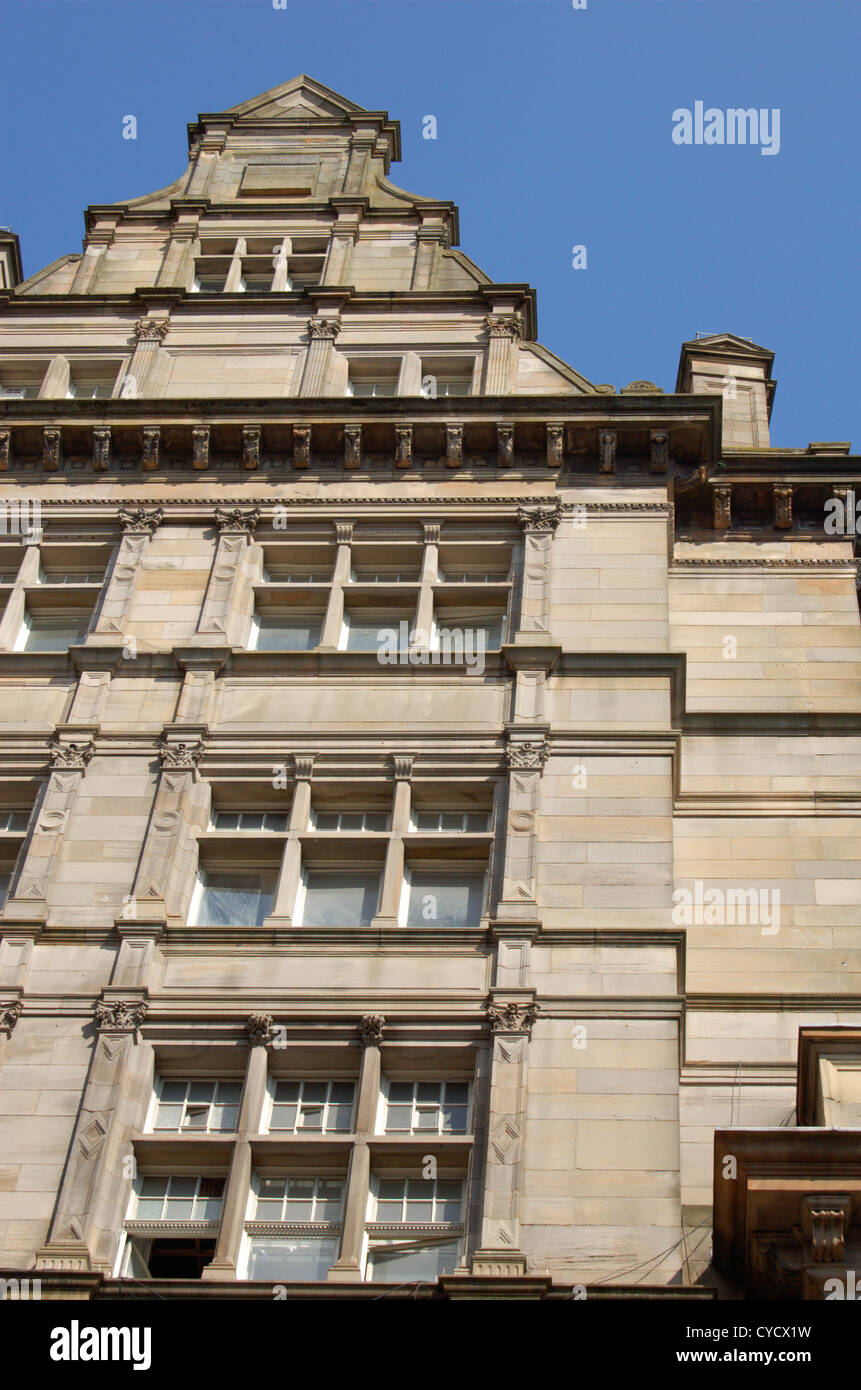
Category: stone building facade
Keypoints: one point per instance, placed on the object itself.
(430, 780)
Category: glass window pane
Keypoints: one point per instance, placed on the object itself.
(227, 820)
(340, 1117)
(201, 1091)
(451, 900)
(168, 1117)
(340, 900)
(299, 1261)
(400, 1091)
(399, 1117)
(457, 1092)
(223, 1117)
(428, 1118)
(182, 1187)
(287, 634)
(229, 1092)
(180, 1209)
(275, 821)
(327, 820)
(315, 1092)
(196, 1117)
(252, 820)
(148, 1209)
(311, 1117)
(389, 1211)
(451, 820)
(242, 900)
(342, 1092)
(351, 820)
(284, 1117)
(394, 1267)
(454, 1119)
(287, 1090)
(428, 1091)
(376, 820)
(427, 820)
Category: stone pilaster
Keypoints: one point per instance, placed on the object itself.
(333, 621)
(150, 333)
(503, 331)
(322, 334)
(393, 872)
(71, 753)
(152, 895)
(511, 1017)
(526, 758)
(539, 527)
(139, 525)
(223, 610)
(291, 859)
(16, 603)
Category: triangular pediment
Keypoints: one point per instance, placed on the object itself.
(728, 342)
(299, 99)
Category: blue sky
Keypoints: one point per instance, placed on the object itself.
(554, 130)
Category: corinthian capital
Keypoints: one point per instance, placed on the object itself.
(504, 326)
(324, 328)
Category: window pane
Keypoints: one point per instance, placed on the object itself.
(400, 1091)
(340, 900)
(242, 900)
(296, 1260)
(227, 820)
(196, 1117)
(376, 820)
(224, 1117)
(399, 1117)
(340, 1116)
(284, 1116)
(287, 634)
(315, 1092)
(44, 636)
(168, 1117)
(393, 1267)
(427, 1091)
(454, 1119)
(370, 634)
(252, 820)
(452, 900)
(427, 820)
(287, 1090)
(311, 1117)
(327, 820)
(201, 1091)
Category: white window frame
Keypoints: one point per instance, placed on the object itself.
(156, 1101)
(329, 1082)
(443, 869)
(383, 1106)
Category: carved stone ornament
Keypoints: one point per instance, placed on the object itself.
(260, 1029)
(659, 447)
(352, 446)
(9, 1015)
(371, 1030)
(607, 451)
(72, 755)
(555, 445)
(323, 329)
(140, 522)
(527, 755)
(505, 445)
(181, 755)
(301, 446)
(251, 446)
(512, 1018)
(825, 1223)
(150, 443)
(236, 519)
(783, 508)
(539, 519)
(722, 500)
(403, 446)
(151, 330)
(101, 449)
(504, 326)
(120, 1013)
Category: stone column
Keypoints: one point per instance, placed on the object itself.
(503, 332)
(151, 896)
(222, 611)
(393, 872)
(331, 634)
(526, 759)
(71, 752)
(347, 1268)
(260, 1032)
(322, 334)
(139, 526)
(511, 1017)
(149, 335)
(429, 577)
(291, 859)
(73, 1235)
(539, 527)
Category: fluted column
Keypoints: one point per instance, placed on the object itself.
(503, 331)
(139, 526)
(322, 335)
(221, 612)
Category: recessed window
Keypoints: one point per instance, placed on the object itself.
(15, 821)
(204, 1107)
(351, 820)
(373, 378)
(71, 576)
(339, 898)
(52, 633)
(459, 633)
(183, 1257)
(411, 1261)
(443, 898)
(321, 1107)
(281, 633)
(427, 1107)
(249, 820)
(225, 898)
(299, 1199)
(178, 1199)
(451, 821)
(381, 633)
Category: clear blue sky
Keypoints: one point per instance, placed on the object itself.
(554, 129)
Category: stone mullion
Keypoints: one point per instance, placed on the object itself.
(393, 870)
(291, 858)
(512, 1020)
(139, 527)
(220, 609)
(80, 1221)
(333, 621)
(16, 604)
(151, 892)
(322, 339)
(238, 1184)
(69, 763)
(429, 577)
(348, 1266)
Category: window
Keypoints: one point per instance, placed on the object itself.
(14, 820)
(447, 377)
(456, 632)
(417, 1203)
(456, 822)
(17, 393)
(52, 633)
(478, 576)
(322, 1107)
(90, 390)
(205, 1107)
(299, 1199)
(249, 820)
(373, 377)
(227, 898)
(427, 1107)
(276, 632)
(178, 1199)
(339, 898)
(299, 1259)
(408, 1261)
(296, 574)
(443, 898)
(383, 632)
(351, 820)
(181, 1258)
(71, 576)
